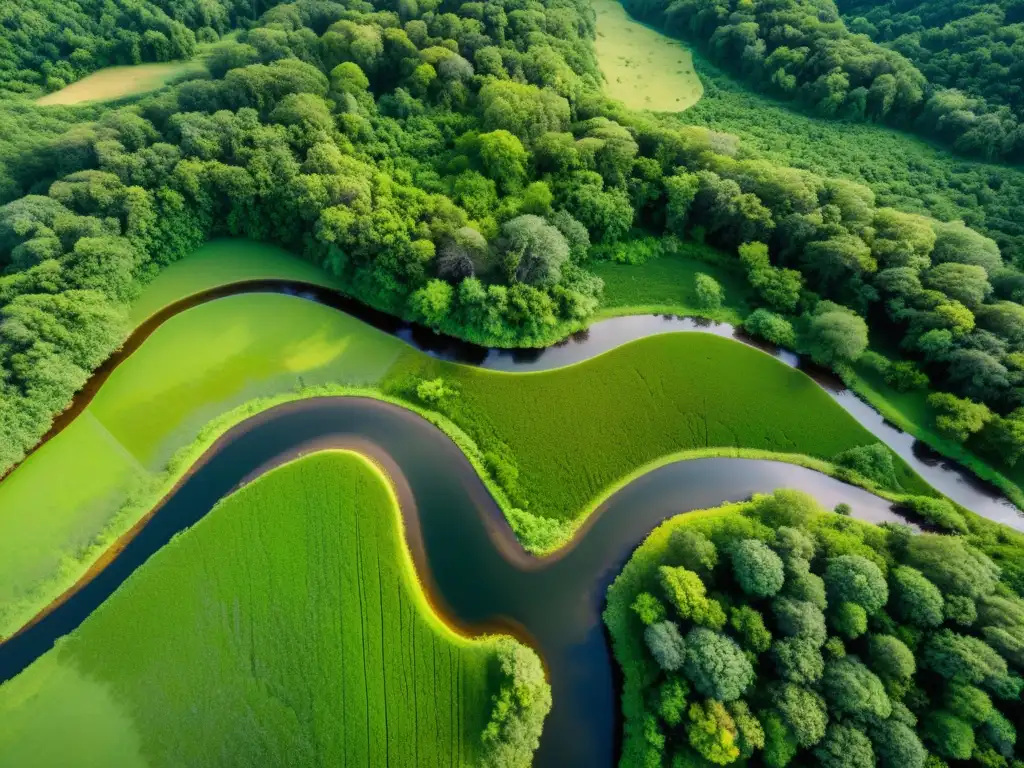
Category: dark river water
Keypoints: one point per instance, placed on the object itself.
(478, 576)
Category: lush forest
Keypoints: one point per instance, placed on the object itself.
(46, 45)
(972, 46)
(458, 165)
(804, 51)
(775, 633)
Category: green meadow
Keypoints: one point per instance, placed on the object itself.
(643, 68)
(571, 433)
(184, 375)
(666, 284)
(286, 628)
(554, 441)
(220, 262)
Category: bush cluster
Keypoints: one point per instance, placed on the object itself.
(806, 638)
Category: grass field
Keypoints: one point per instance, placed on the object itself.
(116, 82)
(643, 68)
(574, 431)
(286, 628)
(181, 378)
(666, 284)
(220, 262)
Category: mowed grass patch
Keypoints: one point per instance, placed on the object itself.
(666, 284)
(643, 68)
(286, 628)
(573, 432)
(220, 262)
(117, 82)
(65, 502)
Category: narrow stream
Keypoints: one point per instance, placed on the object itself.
(466, 555)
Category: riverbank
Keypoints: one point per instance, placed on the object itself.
(160, 653)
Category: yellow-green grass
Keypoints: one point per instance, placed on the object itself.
(220, 262)
(63, 504)
(643, 68)
(574, 431)
(286, 628)
(118, 82)
(666, 285)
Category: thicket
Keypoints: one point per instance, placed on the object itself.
(47, 44)
(456, 164)
(975, 46)
(802, 50)
(775, 633)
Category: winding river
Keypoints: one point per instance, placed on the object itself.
(478, 576)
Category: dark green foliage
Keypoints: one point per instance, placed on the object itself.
(855, 579)
(749, 625)
(938, 512)
(520, 706)
(780, 744)
(969, 703)
(953, 565)
(897, 746)
(950, 736)
(854, 690)
(960, 609)
(716, 666)
(915, 599)
(890, 657)
(963, 659)
(694, 550)
(849, 620)
(798, 660)
(803, 711)
(845, 747)
(770, 327)
(757, 569)
(672, 696)
(871, 461)
(799, 618)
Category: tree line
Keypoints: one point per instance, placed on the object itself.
(804, 51)
(454, 164)
(781, 635)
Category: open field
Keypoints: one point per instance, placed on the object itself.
(116, 82)
(643, 68)
(572, 432)
(286, 628)
(182, 377)
(665, 284)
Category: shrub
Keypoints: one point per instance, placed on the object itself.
(855, 579)
(780, 745)
(904, 376)
(849, 620)
(716, 666)
(785, 507)
(770, 327)
(939, 512)
(758, 570)
(433, 391)
(672, 700)
(960, 609)
(951, 736)
(648, 608)
(693, 550)
(749, 625)
(871, 461)
(799, 618)
(890, 657)
(803, 711)
(712, 732)
(845, 747)
(520, 706)
(844, 509)
(897, 746)
(709, 292)
(798, 660)
(666, 645)
(915, 599)
(854, 690)
(685, 591)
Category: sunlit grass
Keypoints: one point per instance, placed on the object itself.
(286, 628)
